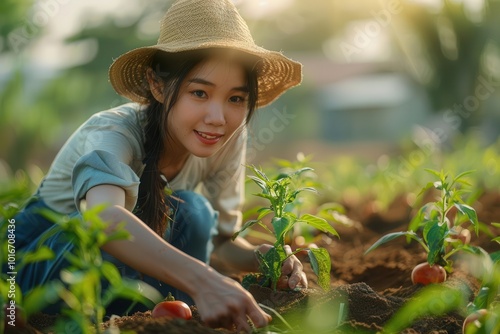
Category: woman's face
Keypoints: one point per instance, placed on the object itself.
(212, 105)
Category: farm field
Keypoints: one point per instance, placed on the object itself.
(369, 292)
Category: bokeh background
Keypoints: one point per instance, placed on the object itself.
(379, 75)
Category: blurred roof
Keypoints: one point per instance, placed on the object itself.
(320, 70)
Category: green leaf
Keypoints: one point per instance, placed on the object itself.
(264, 212)
(428, 226)
(302, 170)
(483, 298)
(42, 253)
(472, 249)
(432, 300)
(391, 236)
(317, 222)
(272, 262)
(435, 241)
(133, 290)
(470, 213)
(428, 186)
(260, 174)
(266, 196)
(42, 296)
(111, 273)
(460, 176)
(439, 175)
(281, 225)
(53, 216)
(244, 227)
(120, 234)
(321, 265)
(421, 216)
(261, 183)
(495, 256)
(331, 206)
(72, 277)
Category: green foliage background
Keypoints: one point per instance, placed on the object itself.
(39, 111)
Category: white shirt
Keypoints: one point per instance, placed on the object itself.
(109, 149)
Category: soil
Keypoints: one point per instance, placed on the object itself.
(366, 290)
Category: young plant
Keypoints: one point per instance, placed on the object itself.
(483, 313)
(280, 193)
(430, 301)
(16, 307)
(438, 233)
(85, 297)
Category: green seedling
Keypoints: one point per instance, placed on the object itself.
(438, 235)
(84, 293)
(482, 315)
(430, 301)
(15, 306)
(280, 193)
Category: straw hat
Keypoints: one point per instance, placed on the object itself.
(203, 24)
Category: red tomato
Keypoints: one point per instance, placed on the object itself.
(472, 318)
(173, 309)
(423, 273)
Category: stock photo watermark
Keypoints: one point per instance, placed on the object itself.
(43, 12)
(10, 308)
(363, 35)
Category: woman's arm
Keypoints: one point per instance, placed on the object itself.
(221, 301)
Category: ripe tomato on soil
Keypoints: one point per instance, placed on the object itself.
(470, 320)
(173, 309)
(423, 273)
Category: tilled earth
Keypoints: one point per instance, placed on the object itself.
(366, 290)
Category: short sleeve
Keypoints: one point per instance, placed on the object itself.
(102, 167)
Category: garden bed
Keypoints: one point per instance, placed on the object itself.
(366, 290)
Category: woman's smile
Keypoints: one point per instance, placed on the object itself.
(208, 138)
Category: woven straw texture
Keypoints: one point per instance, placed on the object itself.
(203, 24)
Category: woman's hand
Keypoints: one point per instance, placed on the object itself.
(292, 268)
(222, 302)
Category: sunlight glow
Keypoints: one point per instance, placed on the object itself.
(261, 8)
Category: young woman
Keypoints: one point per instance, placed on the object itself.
(193, 94)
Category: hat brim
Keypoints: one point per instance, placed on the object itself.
(277, 73)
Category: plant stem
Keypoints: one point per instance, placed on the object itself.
(277, 314)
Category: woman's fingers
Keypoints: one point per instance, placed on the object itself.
(258, 317)
(224, 303)
(294, 269)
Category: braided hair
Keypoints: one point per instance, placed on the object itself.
(152, 207)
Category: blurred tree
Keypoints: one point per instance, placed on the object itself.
(12, 18)
(446, 50)
(35, 121)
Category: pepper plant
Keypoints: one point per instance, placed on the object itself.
(280, 193)
(438, 234)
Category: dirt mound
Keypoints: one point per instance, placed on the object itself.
(367, 290)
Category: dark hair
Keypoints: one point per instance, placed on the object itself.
(152, 207)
